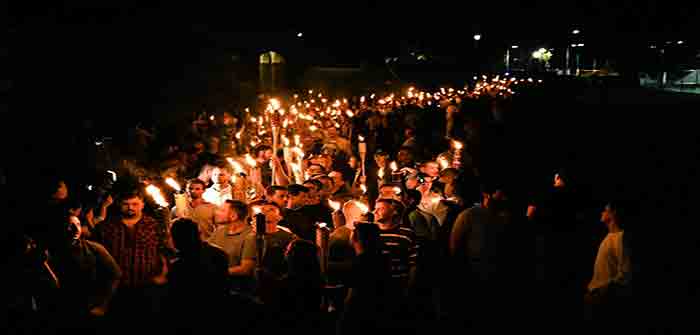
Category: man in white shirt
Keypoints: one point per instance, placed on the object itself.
(612, 264)
(197, 209)
(224, 187)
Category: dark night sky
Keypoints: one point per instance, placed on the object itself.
(117, 56)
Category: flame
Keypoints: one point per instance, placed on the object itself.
(236, 166)
(397, 190)
(297, 140)
(172, 183)
(362, 99)
(250, 161)
(349, 113)
(285, 140)
(363, 187)
(362, 206)
(256, 210)
(211, 118)
(321, 225)
(238, 134)
(361, 138)
(157, 196)
(285, 123)
(334, 204)
(380, 173)
(275, 104)
(313, 128)
(457, 145)
(393, 166)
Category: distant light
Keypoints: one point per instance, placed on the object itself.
(573, 45)
(576, 31)
(680, 42)
(580, 44)
(514, 46)
(652, 46)
(300, 34)
(477, 37)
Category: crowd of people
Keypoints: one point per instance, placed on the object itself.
(424, 233)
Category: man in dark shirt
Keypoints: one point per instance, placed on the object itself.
(86, 272)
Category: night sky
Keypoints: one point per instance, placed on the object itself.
(122, 57)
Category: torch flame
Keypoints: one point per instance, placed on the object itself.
(457, 145)
(211, 118)
(313, 128)
(238, 134)
(114, 175)
(393, 166)
(298, 152)
(349, 113)
(361, 138)
(297, 140)
(334, 204)
(256, 210)
(172, 183)
(157, 196)
(275, 104)
(285, 140)
(363, 188)
(397, 190)
(444, 164)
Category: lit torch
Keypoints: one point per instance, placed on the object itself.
(157, 196)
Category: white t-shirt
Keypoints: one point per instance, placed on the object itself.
(612, 264)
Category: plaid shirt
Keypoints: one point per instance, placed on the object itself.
(138, 251)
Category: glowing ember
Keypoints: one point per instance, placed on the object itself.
(172, 183)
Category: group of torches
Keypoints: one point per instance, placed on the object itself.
(283, 123)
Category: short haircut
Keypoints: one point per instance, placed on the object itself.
(194, 181)
(316, 183)
(296, 189)
(395, 205)
(239, 207)
(185, 233)
(274, 188)
(131, 194)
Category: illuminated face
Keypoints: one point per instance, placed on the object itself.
(558, 181)
(196, 191)
(314, 196)
(265, 155)
(297, 200)
(383, 212)
(221, 176)
(62, 191)
(132, 207)
(272, 214)
(74, 230)
(412, 183)
(403, 157)
(606, 215)
(380, 160)
(281, 197)
(387, 192)
(431, 169)
(353, 162)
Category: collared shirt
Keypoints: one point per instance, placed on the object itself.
(138, 249)
(203, 215)
(612, 264)
(217, 195)
(237, 245)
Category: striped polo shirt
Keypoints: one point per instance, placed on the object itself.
(399, 244)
